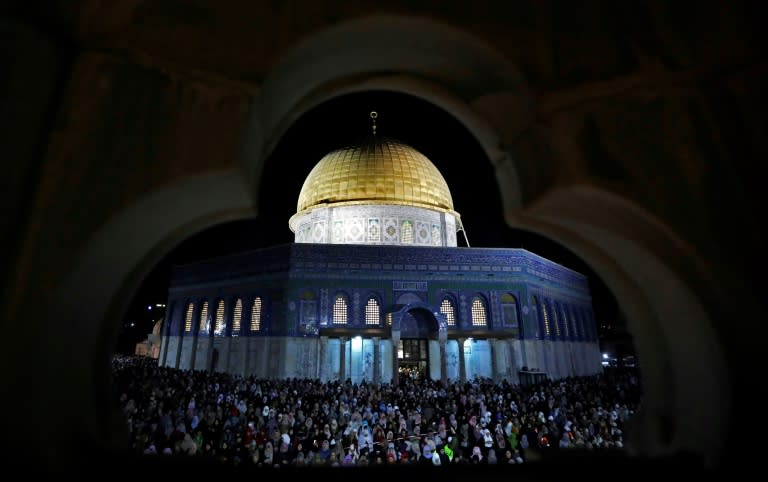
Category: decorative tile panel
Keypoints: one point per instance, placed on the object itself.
(422, 233)
(318, 232)
(338, 231)
(390, 231)
(374, 230)
(355, 231)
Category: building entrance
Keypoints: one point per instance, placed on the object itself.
(413, 358)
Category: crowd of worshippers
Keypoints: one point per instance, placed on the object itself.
(305, 422)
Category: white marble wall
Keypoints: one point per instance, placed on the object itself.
(300, 357)
(333, 361)
(355, 355)
(164, 351)
(202, 361)
(187, 352)
(479, 361)
(452, 359)
(507, 354)
(433, 349)
(375, 224)
(235, 360)
(170, 351)
(222, 344)
(279, 357)
(561, 359)
(386, 360)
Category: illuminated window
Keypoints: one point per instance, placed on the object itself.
(478, 312)
(509, 309)
(372, 312)
(218, 326)
(236, 317)
(545, 315)
(340, 310)
(406, 232)
(188, 318)
(448, 310)
(256, 314)
(205, 323)
(555, 316)
(389, 319)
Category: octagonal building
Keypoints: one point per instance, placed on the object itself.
(375, 288)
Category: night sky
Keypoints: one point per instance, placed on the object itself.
(337, 123)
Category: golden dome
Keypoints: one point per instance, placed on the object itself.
(380, 171)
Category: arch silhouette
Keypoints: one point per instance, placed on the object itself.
(99, 288)
(684, 379)
(399, 311)
(386, 52)
(637, 256)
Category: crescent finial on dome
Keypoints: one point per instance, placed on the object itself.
(374, 115)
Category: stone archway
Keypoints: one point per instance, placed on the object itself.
(421, 322)
(641, 259)
(100, 287)
(496, 109)
(386, 52)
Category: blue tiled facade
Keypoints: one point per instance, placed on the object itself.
(280, 275)
(526, 298)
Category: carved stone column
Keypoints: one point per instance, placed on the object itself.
(395, 361)
(443, 339)
(494, 365)
(322, 359)
(343, 359)
(376, 359)
(462, 365)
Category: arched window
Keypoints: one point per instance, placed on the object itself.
(479, 317)
(372, 312)
(237, 316)
(545, 316)
(340, 310)
(205, 323)
(219, 326)
(449, 311)
(509, 310)
(556, 319)
(256, 314)
(188, 318)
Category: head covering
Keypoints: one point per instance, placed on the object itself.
(448, 451)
